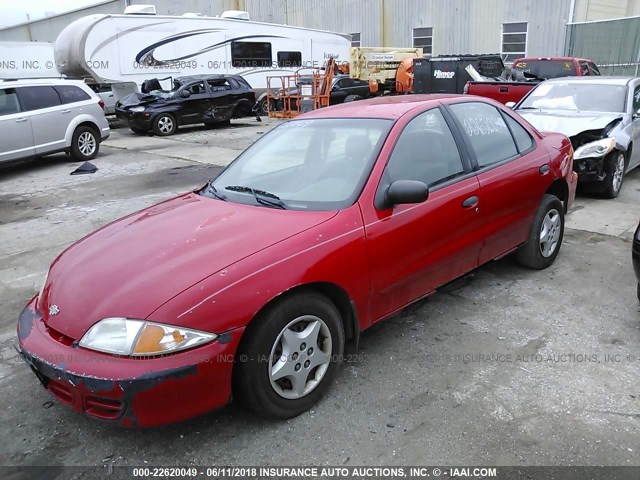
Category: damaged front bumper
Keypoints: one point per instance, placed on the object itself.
(131, 392)
(589, 169)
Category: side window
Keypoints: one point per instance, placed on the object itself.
(34, 98)
(289, 59)
(425, 151)
(636, 99)
(196, 88)
(344, 83)
(488, 134)
(9, 102)
(250, 54)
(594, 69)
(70, 94)
(219, 85)
(523, 140)
(584, 68)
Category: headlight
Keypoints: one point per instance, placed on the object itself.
(137, 109)
(126, 336)
(598, 148)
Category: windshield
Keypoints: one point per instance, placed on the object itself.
(545, 69)
(579, 96)
(317, 164)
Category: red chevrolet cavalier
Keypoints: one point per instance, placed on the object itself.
(251, 286)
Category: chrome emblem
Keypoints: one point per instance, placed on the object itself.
(54, 310)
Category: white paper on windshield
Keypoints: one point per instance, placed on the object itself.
(563, 103)
(541, 90)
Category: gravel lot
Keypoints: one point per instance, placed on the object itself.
(504, 367)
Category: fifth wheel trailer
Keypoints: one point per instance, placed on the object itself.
(126, 50)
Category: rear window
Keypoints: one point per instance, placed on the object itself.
(35, 98)
(9, 102)
(545, 69)
(71, 94)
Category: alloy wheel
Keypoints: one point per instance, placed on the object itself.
(87, 144)
(165, 124)
(618, 173)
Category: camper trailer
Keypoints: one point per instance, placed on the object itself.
(126, 50)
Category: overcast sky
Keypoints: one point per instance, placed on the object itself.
(13, 12)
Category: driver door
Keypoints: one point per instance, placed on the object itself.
(196, 107)
(414, 249)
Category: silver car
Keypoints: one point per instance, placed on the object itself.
(39, 117)
(601, 116)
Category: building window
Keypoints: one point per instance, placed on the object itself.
(514, 41)
(250, 54)
(423, 38)
(355, 39)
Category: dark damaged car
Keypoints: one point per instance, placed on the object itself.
(601, 116)
(209, 99)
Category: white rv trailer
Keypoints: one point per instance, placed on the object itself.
(27, 60)
(123, 50)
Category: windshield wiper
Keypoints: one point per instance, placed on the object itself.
(211, 189)
(264, 198)
(528, 108)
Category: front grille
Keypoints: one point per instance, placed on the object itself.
(104, 408)
(61, 392)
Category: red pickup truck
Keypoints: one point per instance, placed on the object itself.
(533, 71)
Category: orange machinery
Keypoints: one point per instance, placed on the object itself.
(292, 92)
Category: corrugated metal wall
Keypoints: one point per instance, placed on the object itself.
(459, 26)
(613, 44)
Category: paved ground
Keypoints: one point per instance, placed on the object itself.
(505, 367)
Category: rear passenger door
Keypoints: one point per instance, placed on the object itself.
(16, 139)
(508, 167)
(49, 118)
(224, 95)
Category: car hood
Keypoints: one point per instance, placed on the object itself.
(139, 99)
(134, 265)
(568, 123)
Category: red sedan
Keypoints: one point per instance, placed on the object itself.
(252, 286)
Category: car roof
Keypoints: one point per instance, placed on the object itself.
(603, 80)
(193, 78)
(391, 107)
(39, 82)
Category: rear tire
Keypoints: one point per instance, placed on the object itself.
(615, 167)
(165, 125)
(289, 356)
(638, 291)
(545, 238)
(84, 144)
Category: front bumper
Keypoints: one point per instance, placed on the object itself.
(589, 169)
(131, 392)
(135, 119)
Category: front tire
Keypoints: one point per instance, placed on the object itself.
(84, 144)
(289, 356)
(615, 165)
(545, 238)
(165, 125)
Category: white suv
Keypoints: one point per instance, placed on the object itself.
(39, 117)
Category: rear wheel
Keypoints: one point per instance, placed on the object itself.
(615, 166)
(289, 356)
(545, 238)
(164, 125)
(84, 144)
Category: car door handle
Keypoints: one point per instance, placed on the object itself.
(470, 202)
(504, 89)
(544, 169)
(66, 110)
(23, 119)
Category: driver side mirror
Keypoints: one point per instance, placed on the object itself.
(510, 104)
(405, 192)
(185, 93)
